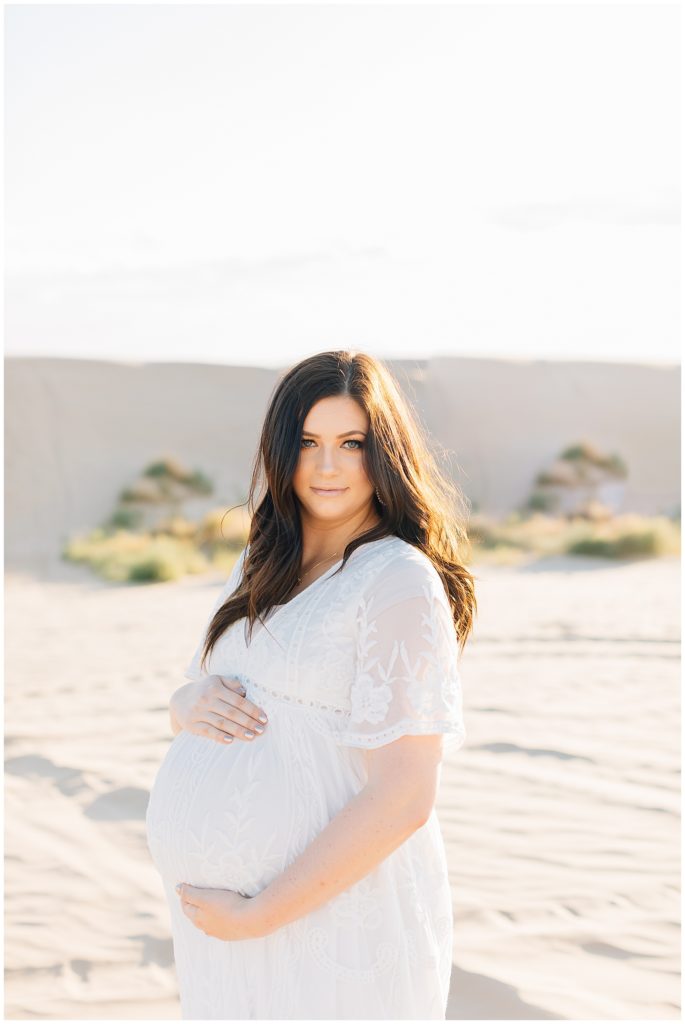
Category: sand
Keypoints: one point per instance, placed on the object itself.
(560, 815)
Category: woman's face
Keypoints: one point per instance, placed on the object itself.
(333, 440)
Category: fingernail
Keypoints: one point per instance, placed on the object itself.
(258, 728)
(178, 888)
(228, 739)
(262, 718)
(250, 734)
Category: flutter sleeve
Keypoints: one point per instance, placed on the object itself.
(407, 680)
(193, 672)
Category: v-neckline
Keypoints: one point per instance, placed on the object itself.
(276, 608)
(310, 585)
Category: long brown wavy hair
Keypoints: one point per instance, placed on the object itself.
(420, 505)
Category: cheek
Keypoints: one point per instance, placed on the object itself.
(299, 472)
(360, 480)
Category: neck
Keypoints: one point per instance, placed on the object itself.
(330, 544)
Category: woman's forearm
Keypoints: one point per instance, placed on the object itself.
(364, 833)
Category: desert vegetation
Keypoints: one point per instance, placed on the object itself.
(522, 536)
(151, 537)
(574, 508)
(579, 482)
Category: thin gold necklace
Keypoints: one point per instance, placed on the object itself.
(300, 578)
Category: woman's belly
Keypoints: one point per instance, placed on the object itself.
(234, 816)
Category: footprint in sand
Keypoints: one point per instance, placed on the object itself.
(154, 950)
(67, 780)
(129, 803)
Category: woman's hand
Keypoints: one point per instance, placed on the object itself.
(215, 708)
(221, 912)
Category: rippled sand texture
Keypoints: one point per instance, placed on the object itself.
(560, 815)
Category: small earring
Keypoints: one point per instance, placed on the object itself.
(379, 497)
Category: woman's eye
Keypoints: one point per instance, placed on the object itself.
(350, 440)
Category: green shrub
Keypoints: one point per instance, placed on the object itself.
(539, 501)
(628, 536)
(616, 466)
(584, 451)
(154, 567)
(169, 470)
(620, 537)
(146, 491)
(200, 483)
(629, 545)
(124, 556)
(125, 519)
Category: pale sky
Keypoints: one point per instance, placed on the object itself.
(251, 184)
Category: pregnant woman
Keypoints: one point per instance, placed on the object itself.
(303, 864)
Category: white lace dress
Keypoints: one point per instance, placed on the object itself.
(352, 662)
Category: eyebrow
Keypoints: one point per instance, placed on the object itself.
(346, 434)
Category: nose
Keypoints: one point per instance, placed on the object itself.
(326, 461)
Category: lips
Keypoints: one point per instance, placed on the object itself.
(329, 490)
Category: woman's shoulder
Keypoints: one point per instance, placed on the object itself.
(389, 558)
(401, 553)
(404, 566)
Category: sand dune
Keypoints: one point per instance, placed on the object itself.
(560, 816)
(79, 431)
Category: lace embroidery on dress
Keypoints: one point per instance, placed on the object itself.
(405, 674)
(362, 658)
(407, 679)
(293, 699)
(318, 942)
